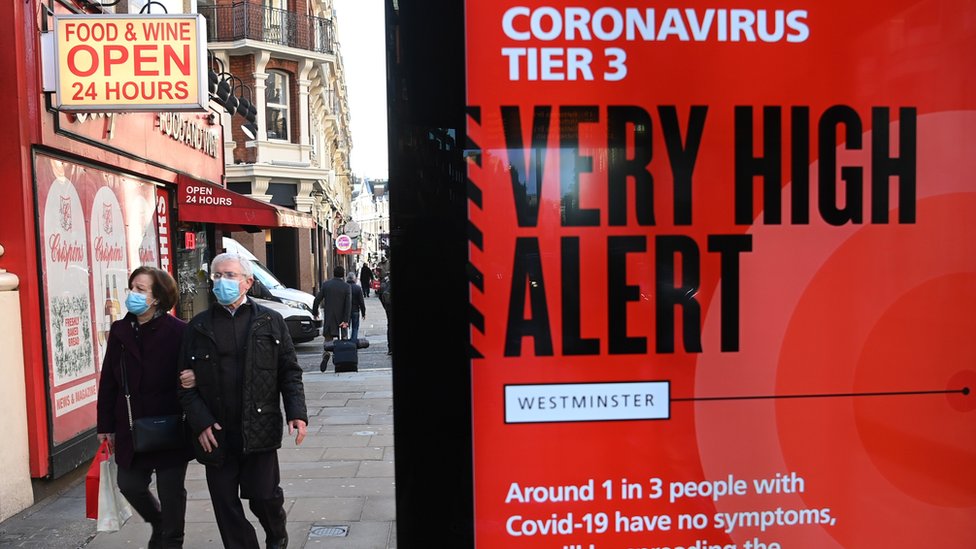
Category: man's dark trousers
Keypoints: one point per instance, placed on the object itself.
(259, 481)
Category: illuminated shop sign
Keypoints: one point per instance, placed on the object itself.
(124, 63)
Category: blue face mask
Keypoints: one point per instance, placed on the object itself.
(227, 291)
(136, 303)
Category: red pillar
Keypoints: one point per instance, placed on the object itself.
(20, 65)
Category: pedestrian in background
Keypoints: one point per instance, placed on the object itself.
(141, 358)
(358, 305)
(366, 278)
(335, 296)
(244, 364)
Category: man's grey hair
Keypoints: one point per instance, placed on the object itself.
(351, 278)
(246, 269)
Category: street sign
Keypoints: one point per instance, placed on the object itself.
(343, 243)
(352, 229)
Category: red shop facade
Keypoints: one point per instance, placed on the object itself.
(86, 199)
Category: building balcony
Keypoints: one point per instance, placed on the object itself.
(255, 21)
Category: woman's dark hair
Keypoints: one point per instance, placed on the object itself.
(163, 286)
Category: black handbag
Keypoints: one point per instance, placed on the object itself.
(153, 433)
(156, 433)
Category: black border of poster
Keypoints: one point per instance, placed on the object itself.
(429, 238)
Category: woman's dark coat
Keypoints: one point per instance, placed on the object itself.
(151, 365)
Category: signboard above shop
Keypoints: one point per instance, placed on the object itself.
(126, 63)
(207, 203)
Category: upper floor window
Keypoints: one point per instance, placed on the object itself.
(276, 105)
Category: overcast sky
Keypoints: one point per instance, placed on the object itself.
(362, 43)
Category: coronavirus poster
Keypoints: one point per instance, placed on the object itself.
(723, 274)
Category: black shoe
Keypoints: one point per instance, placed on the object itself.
(324, 365)
(279, 543)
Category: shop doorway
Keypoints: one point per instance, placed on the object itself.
(281, 248)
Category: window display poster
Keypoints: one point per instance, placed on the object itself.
(95, 227)
(722, 274)
(109, 265)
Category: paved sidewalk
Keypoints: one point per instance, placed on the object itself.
(339, 485)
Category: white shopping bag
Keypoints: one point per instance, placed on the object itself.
(113, 508)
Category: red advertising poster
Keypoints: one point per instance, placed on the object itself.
(723, 274)
(95, 226)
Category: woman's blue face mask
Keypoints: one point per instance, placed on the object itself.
(136, 303)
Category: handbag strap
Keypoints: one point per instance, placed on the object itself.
(125, 384)
(125, 387)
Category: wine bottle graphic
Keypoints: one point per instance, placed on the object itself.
(116, 304)
(109, 315)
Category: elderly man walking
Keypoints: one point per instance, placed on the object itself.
(243, 363)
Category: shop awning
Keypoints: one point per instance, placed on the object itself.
(208, 203)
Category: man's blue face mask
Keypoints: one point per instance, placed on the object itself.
(227, 291)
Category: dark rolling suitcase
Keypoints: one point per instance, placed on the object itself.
(345, 355)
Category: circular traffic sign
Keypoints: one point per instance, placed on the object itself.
(343, 243)
(353, 229)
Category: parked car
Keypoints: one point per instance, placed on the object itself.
(302, 327)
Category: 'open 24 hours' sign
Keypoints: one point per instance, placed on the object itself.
(112, 63)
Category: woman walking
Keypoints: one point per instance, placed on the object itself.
(140, 359)
(358, 305)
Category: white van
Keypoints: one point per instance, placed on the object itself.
(294, 305)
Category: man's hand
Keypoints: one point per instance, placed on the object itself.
(343, 324)
(298, 425)
(207, 439)
(188, 379)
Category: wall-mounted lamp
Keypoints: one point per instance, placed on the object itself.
(236, 97)
(250, 128)
(229, 91)
(225, 92)
(213, 73)
(147, 8)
